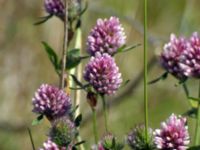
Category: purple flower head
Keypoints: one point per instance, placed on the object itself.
(49, 145)
(173, 134)
(51, 102)
(190, 60)
(103, 74)
(171, 55)
(136, 138)
(106, 37)
(55, 7)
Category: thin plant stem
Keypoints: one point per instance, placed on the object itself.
(78, 45)
(31, 138)
(95, 125)
(197, 133)
(105, 112)
(77, 94)
(65, 45)
(145, 72)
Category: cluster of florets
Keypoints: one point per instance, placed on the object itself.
(103, 74)
(136, 139)
(181, 56)
(50, 145)
(106, 37)
(173, 134)
(103, 42)
(63, 131)
(55, 7)
(51, 102)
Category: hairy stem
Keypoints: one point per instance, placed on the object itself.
(145, 71)
(95, 126)
(197, 131)
(65, 44)
(105, 112)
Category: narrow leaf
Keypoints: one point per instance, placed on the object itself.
(78, 120)
(73, 58)
(77, 81)
(194, 148)
(125, 83)
(52, 55)
(79, 143)
(185, 88)
(84, 10)
(191, 113)
(162, 77)
(43, 20)
(131, 47)
(38, 120)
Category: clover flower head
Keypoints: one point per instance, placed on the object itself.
(103, 74)
(190, 59)
(49, 145)
(173, 134)
(55, 7)
(171, 56)
(51, 102)
(106, 37)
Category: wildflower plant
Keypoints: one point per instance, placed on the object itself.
(102, 77)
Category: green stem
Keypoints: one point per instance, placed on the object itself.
(31, 138)
(145, 71)
(197, 133)
(65, 47)
(95, 125)
(105, 112)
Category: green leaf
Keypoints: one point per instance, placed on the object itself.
(79, 143)
(191, 113)
(38, 120)
(193, 101)
(43, 20)
(73, 58)
(125, 83)
(126, 49)
(77, 81)
(185, 88)
(84, 9)
(162, 77)
(78, 120)
(119, 50)
(194, 148)
(52, 55)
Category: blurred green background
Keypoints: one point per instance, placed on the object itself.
(24, 65)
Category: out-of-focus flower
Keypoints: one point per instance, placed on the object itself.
(106, 37)
(63, 131)
(98, 147)
(136, 139)
(49, 145)
(108, 142)
(190, 59)
(51, 102)
(173, 134)
(55, 7)
(172, 56)
(103, 74)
